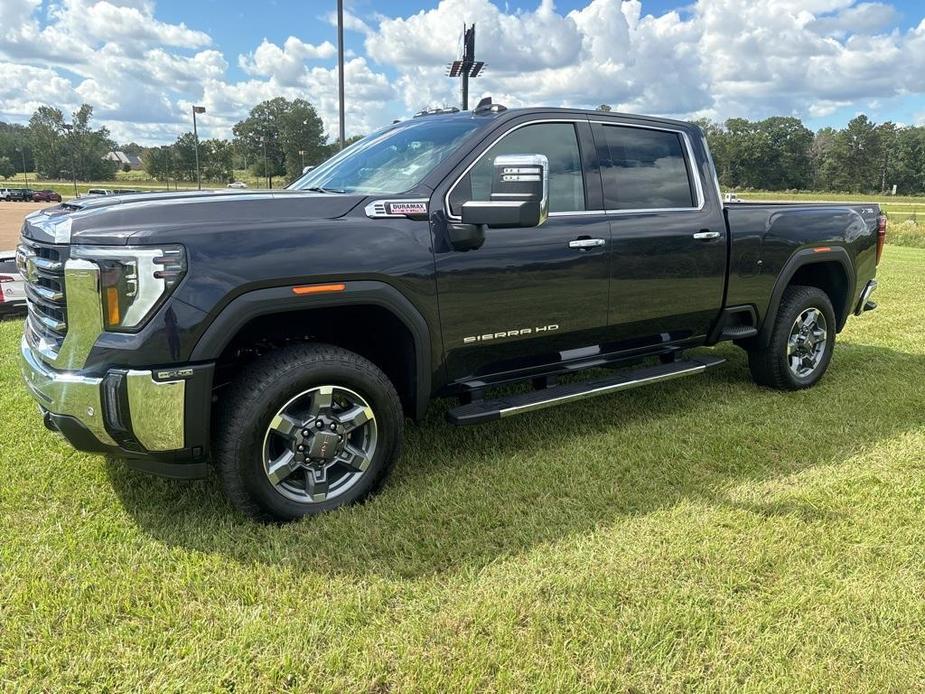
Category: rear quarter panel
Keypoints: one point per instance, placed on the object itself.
(764, 238)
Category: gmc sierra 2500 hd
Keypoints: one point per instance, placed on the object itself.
(285, 335)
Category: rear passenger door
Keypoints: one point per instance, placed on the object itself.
(668, 236)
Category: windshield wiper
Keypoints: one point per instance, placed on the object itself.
(320, 189)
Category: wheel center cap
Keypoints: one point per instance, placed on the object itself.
(323, 444)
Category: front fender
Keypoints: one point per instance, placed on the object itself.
(261, 302)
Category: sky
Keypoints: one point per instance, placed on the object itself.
(142, 64)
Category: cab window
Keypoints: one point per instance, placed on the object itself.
(558, 141)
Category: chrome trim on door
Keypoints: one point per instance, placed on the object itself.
(689, 153)
(586, 243)
(573, 121)
(691, 168)
(706, 235)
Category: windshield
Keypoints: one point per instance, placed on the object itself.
(391, 160)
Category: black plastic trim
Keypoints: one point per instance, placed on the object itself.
(262, 302)
(806, 256)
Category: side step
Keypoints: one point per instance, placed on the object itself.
(486, 410)
(738, 332)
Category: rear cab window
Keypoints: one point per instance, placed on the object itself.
(644, 169)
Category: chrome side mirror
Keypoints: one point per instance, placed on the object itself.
(519, 193)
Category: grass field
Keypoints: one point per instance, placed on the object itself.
(699, 534)
(136, 180)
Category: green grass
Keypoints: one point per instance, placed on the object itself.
(699, 534)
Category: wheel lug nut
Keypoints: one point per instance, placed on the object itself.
(333, 427)
(306, 432)
(319, 423)
(300, 448)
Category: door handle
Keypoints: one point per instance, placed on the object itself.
(706, 235)
(584, 243)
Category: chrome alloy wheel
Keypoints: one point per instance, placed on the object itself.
(319, 444)
(807, 342)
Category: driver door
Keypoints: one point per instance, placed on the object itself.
(528, 296)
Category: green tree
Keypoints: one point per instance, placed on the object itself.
(273, 134)
(158, 162)
(6, 167)
(47, 127)
(853, 164)
(216, 160)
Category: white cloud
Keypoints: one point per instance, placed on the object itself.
(286, 63)
(716, 58)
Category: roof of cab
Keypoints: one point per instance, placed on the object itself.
(508, 113)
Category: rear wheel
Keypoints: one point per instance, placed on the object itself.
(801, 343)
(308, 429)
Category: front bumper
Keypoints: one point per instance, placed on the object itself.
(159, 416)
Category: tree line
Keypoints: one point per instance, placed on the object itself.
(280, 136)
(780, 153)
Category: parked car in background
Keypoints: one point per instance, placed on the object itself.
(237, 184)
(21, 194)
(46, 196)
(12, 291)
(4, 193)
(97, 192)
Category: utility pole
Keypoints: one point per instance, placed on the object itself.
(68, 129)
(340, 70)
(22, 151)
(468, 66)
(302, 155)
(197, 109)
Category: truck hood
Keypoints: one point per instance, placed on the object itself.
(143, 217)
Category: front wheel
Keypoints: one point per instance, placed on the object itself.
(802, 339)
(307, 429)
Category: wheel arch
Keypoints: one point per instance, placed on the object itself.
(380, 304)
(830, 270)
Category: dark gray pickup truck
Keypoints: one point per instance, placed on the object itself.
(285, 336)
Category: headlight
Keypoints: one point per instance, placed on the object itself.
(133, 280)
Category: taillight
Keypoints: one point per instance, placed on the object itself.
(6, 278)
(881, 236)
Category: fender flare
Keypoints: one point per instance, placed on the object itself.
(261, 302)
(802, 258)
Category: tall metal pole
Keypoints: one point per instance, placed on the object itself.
(197, 109)
(340, 69)
(69, 129)
(23, 152)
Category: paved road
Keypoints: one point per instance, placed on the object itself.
(11, 215)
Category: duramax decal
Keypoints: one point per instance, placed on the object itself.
(509, 333)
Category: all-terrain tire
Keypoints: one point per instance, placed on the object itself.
(771, 366)
(257, 395)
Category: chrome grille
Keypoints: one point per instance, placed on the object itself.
(42, 268)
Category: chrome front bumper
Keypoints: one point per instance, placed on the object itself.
(155, 415)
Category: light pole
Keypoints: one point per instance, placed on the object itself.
(266, 169)
(302, 155)
(340, 68)
(197, 109)
(22, 150)
(68, 129)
